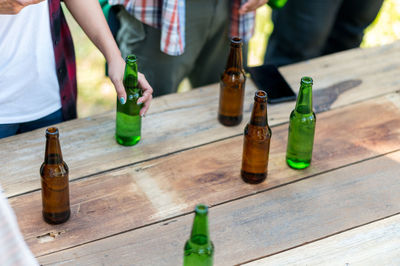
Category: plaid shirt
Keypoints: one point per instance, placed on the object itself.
(65, 59)
(169, 16)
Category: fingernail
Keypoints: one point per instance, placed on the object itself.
(138, 102)
(122, 100)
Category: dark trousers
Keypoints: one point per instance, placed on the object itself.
(305, 29)
(206, 51)
(7, 130)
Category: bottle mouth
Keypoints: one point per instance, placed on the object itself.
(131, 58)
(201, 209)
(52, 131)
(307, 80)
(260, 94)
(236, 41)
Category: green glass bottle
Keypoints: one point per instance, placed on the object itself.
(129, 121)
(199, 250)
(301, 128)
(276, 4)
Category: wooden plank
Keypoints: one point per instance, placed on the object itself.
(372, 244)
(146, 193)
(178, 122)
(262, 224)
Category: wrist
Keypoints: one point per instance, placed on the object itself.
(113, 56)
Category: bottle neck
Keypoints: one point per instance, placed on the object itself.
(199, 233)
(259, 115)
(304, 99)
(235, 60)
(131, 74)
(53, 153)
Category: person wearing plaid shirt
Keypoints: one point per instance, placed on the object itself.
(37, 69)
(175, 39)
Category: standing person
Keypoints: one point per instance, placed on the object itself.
(37, 62)
(305, 29)
(174, 39)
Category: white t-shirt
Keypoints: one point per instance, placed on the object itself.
(29, 87)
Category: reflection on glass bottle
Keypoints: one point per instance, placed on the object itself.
(129, 121)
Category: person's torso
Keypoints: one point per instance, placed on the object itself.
(29, 87)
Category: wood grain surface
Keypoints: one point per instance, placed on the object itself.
(136, 196)
(179, 122)
(262, 224)
(377, 243)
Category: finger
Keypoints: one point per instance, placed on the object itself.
(147, 93)
(145, 97)
(244, 8)
(119, 88)
(144, 84)
(251, 5)
(146, 106)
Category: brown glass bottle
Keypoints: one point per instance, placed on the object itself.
(232, 87)
(257, 136)
(54, 173)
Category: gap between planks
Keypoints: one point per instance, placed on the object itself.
(397, 94)
(252, 215)
(383, 141)
(169, 219)
(345, 73)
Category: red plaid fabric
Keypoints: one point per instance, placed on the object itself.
(169, 16)
(65, 59)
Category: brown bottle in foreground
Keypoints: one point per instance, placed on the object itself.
(257, 136)
(232, 87)
(54, 173)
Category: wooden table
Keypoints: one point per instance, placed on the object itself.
(133, 205)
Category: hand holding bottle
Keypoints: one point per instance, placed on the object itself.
(89, 16)
(116, 68)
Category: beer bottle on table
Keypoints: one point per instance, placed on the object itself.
(199, 250)
(232, 87)
(54, 176)
(301, 128)
(276, 4)
(129, 121)
(257, 136)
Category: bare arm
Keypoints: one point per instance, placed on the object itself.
(90, 17)
(12, 7)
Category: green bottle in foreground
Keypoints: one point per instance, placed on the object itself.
(129, 121)
(301, 128)
(199, 250)
(276, 4)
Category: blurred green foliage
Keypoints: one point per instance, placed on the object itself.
(96, 92)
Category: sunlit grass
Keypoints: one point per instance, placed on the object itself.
(386, 27)
(96, 93)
